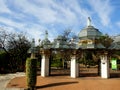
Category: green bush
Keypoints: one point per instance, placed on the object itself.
(56, 63)
(31, 73)
(4, 62)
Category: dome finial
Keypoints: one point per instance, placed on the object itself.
(89, 22)
(46, 34)
(33, 43)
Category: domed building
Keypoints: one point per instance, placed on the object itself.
(88, 37)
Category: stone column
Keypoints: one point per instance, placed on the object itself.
(104, 66)
(74, 73)
(45, 65)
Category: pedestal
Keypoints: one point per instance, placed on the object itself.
(45, 66)
(74, 68)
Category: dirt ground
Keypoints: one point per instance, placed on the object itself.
(68, 83)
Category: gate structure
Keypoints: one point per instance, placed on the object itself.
(88, 43)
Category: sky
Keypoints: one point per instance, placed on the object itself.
(35, 16)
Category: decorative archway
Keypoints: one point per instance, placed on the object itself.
(88, 41)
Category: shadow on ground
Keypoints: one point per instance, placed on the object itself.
(115, 75)
(55, 84)
(89, 75)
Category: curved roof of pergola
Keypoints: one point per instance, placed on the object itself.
(116, 43)
(87, 38)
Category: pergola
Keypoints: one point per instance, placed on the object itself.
(87, 42)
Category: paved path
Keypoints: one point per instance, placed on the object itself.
(4, 79)
(61, 83)
(68, 83)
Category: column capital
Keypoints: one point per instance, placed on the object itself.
(103, 52)
(73, 52)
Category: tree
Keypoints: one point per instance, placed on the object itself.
(3, 62)
(3, 39)
(15, 46)
(70, 38)
(106, 40)
(68, 34)
(18, 46)
(4, 54)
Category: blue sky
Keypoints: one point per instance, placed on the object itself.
(35, 16)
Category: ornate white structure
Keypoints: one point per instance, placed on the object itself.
(74, 70)
(87, 37)
(105, 72)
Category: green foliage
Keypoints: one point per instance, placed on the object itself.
(56, 63)
(17, 49)
(2, 55)
(3, 62)
(31, 72)
(87, 59)
(15, 46)
(106, 40)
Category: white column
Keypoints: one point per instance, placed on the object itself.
(104, 66)
(74, 73)
(45, 66)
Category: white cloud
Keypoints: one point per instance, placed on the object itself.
(3, 7)
(43, 14)
(34, 17)
(10, 22)
(67, 13)
(8, 29)
(103, 9)
(35, 31)
(49, 11)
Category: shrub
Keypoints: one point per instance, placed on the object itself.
(56, 63)
(31, 73)
(4, 62)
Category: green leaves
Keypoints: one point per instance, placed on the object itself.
(31, 72)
